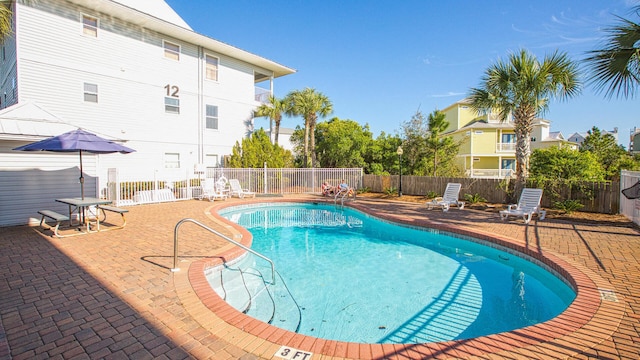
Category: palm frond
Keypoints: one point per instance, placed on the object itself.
(615, 69)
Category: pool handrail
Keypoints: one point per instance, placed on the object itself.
(175, 246)
(344, 193)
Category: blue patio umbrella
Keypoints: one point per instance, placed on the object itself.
(77, 141)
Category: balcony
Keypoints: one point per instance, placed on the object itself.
(490, 173)
(262, 95)
(506, 147)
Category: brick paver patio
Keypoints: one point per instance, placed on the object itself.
(112, 295)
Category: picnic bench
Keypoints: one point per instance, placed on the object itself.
(113, 209)
(57, 217)
(87, 226)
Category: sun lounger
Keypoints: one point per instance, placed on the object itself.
(450, 198)
(237, 190)
(528, 205)
(211, 191)
(148, 196)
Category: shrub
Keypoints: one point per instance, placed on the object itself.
(431, 194)
(568, 206)
(364, 190)
(391, 190)
(474, 199)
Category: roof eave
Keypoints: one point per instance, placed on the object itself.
(153, 23)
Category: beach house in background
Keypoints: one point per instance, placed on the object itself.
(488, 145)
(578, 137)
(130, 71)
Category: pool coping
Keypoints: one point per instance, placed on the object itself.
(587, 322)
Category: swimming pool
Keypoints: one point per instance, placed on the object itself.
(354, 278)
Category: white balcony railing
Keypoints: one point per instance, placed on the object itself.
(490, 173)
(262, 95)
(505, 147)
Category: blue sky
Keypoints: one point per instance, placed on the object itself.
(380, 61)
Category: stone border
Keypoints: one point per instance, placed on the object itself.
(587, 322)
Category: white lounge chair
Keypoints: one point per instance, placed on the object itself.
(210, 192)
(149, 196)
(449, 198)
(528, 205)
(237, 190)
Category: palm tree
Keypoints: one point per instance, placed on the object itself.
(617, 66)
(522, 87)
(274, 110)
(310, 104)
(5, 19)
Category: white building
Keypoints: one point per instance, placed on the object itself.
(578, 137)
(127, 70)
(284, 137)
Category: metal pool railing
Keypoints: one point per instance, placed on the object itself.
(175, 246)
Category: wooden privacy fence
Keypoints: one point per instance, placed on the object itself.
(600, 197)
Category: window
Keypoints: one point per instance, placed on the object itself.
(89, 26)
(171, 160)
(211, 161)
(90, 92)
(171, 105)
(509, 138)
(211, 67)
(212, 117)
(171, 51)
(508, 164)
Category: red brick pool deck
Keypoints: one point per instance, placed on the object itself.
(111, 295)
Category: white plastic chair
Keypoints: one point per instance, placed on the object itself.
(237, 190)
(210, 192)
(528, 205)
(221, 187)
(449, 198)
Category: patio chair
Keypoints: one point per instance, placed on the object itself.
(449, 198)
(222, 186)
(237, 190)
(528, 205)
(210, 192)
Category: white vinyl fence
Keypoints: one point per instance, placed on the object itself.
(129, 188)
(629, 207)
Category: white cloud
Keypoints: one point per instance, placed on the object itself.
(449, 94)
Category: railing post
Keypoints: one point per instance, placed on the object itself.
(265, 177)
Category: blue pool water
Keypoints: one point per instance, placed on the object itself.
(348, 276)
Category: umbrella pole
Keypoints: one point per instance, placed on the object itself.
(81, 177)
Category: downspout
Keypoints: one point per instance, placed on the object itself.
(471, 152)
(200, 102)
(271, 135)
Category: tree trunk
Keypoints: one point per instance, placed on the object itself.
(523, 120)
(277, 121)
(312, 146)
(306, 144)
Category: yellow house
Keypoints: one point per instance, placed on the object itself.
(488, 144)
